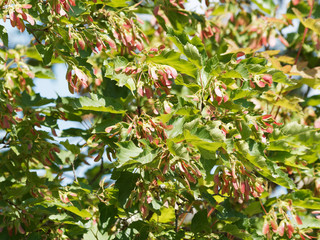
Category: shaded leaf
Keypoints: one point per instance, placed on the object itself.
(98, 104)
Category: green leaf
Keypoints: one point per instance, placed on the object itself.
(253, 151)
(288, 102)
(98, 104)
(45, 52)
(256, 68)
(78, 9)
(107, 216)
(142, 228)
(227, 212)
(190, 48)
(40, 72)
(303, 198)
(206, 195)
(231, 74)
(177, 149)
(313, 101)
(311, 82)
(309, 222)
(200, 222)
(280, 145)
(172, 58)
(192, 53)
(244, 129)
(279, 176)
(253, 208)
(212, 64)
(280, 77)
(208, 138)
(313, 24)
(177, 127)
(235, 231)
(125, 184)
(127, 151)
(34, 100)
(4, 35)
(267, 6)
(81, 213)
(71, 147)
(147, 156)
(208, 161)
(294, 128)
(167, 215)
(124, 80)
(240, 93)
(116, 3)
(243, 70)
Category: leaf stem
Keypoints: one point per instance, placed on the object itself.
(304, 35)
(297, 58)
(263, 207)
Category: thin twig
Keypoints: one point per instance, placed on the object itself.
(263, 206)
(184, 216)
(176, 220)
(4, 138)
(307, 92)
(35, 36)
(74, 172)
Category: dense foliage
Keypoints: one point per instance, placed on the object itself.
(196, 121)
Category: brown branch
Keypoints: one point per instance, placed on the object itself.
(263, 207)
(184, 216)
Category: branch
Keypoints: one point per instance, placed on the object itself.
(176, 220)
(74, 172)
(184, 216)
(35, 36)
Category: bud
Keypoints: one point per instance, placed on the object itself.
(298, 219)
(267, 78)
(81, 43)
(112, 44)
(10, 108)
(72, 2)
(274, 225)
(216, 188)
(97, 158)
(281, 229)
(21, 230)
(290, 230)
(218, 91)
(235, 184)
(30, 19)
(259, 188)
(242, 187)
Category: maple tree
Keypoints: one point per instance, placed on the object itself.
(195, 120)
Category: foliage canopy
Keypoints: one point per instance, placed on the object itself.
(195, 120)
